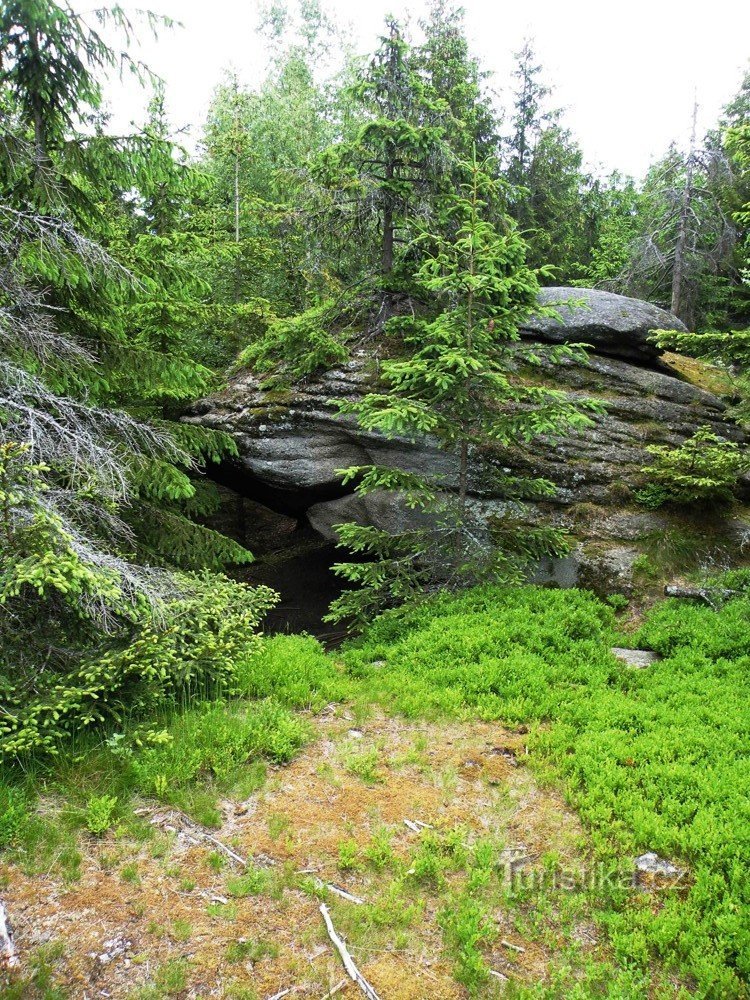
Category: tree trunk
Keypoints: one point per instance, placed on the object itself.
(40, 133)
(386, 253)
(237, 225)
(463, 478)
(463, 472)
(678, 267)
(386, 261)
(236, 196)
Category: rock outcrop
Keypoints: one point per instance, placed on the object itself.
(291, 443)
(612, 324)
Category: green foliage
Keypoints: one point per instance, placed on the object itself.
(13, 814)
(466, 115)
(299, 346)
(376, 182)
(168, 980)
(100, 293)
(39, 557)
(392, 571)
(614, 207)
(250, 951)
(364, 763)
(313, 683)
(185, 751)
(468, 929)
(251, 883)
(550, 198)
(194, 646)
(256, 147)
(100, 812)
(704, 469)
(216, 742)
(652, 759)
(43, 982)
(455, 380)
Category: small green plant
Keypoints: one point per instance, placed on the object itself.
(348, 856)
(181, 930)
(278, 823)
(43, 981)
(705, 468)
(13, 814)
(468, 929)
(250, 950)
(364, 763)
(644, 569)
(618, 602)
(299, 345)
(252, 882)
(224, 911)
(379, 852)
(437, 854)
(169, 980)
(100, 813)
(237, 991)
(129, 873)
(216, 861)
(651, 496)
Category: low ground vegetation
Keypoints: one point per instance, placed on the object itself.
(647, 760)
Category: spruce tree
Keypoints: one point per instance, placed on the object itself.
(545, 170)
(132, 305)
(96, 355)
(454, 76)
(387, 171)
(457, 381)
(728, 348)
(685, 239)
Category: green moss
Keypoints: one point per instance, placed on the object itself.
(700, 373)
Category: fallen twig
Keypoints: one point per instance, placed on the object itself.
(336, 989)
(287, 992)
(200, 833)
(354, 974)
(8, 954)
(513, 947)
(343, 893)
(498, 975)
(223, 847)
(416, 825)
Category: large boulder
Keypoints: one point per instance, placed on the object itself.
(292, 443)
(611, 324)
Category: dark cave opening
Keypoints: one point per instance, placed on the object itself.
(290, 556)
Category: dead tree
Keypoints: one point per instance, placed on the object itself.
(686, 234)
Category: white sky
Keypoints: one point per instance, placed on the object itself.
(626, 72)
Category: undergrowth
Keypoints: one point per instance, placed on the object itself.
(652, 760)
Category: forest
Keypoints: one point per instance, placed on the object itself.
(378, 308)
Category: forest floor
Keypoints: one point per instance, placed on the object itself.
(480, 773)
(174, 911)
